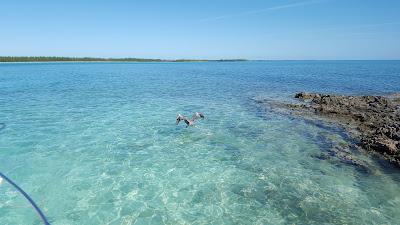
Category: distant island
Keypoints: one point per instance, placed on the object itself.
(90, 59)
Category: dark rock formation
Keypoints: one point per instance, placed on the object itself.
(375, 118)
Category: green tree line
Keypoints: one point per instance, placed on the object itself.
(91, 59)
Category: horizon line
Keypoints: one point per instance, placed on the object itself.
(138, 59)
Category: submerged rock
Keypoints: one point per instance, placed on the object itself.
(375, 118)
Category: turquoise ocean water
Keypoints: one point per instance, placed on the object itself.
(96, 143)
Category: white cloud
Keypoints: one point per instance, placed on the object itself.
(252, 12)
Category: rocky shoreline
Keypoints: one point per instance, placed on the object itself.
(373, 121)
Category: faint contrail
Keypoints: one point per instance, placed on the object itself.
(362, 26)
(274, 8)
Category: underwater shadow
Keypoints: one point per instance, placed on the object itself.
(2, 126)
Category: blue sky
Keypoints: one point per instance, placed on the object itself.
(252, 29)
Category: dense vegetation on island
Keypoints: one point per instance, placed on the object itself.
(90, 59)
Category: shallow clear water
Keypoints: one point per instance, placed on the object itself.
(96, 143)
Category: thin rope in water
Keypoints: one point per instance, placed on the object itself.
(42, 216)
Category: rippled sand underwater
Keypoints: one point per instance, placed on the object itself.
(96, 143)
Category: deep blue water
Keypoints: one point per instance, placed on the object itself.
(96, 143)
